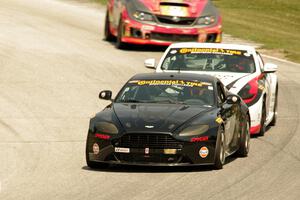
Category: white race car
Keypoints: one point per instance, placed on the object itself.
(240, 68)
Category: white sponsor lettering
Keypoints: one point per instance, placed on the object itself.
(147, 28)
(170, 151)
(122, 150)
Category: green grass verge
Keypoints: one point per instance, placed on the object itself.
(273, 23)
(99, 1)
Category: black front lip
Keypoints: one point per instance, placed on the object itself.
(153, 164)
(188, 155)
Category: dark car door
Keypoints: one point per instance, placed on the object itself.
(229, 115)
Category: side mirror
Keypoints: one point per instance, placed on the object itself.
(270, 67)
(105, 94)
(233, 99)
(150, 63)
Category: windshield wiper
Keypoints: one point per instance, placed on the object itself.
(167, 101)
(181, 102)
(163, 101)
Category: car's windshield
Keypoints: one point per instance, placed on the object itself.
(168, 92)
(209, 59)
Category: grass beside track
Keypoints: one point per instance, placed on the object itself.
(273, 23)
(99, 1)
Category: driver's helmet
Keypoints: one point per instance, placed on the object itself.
(196, 92)
(179, 63)
(237, 64)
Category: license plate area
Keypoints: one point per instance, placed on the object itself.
(179, 11)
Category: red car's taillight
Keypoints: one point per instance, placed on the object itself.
(249, 91)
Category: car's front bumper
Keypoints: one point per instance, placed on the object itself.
(187, 155)
(158, 34)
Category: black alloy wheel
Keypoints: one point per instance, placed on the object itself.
(119, 43)
(263, 120)
(245, 140)
(107, 34)
(274, 120)
(220, 149)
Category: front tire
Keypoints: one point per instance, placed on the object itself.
(245, 141)
(107, 34)
(119, 43)
(263, 120)
(220, 149)
(274, 120)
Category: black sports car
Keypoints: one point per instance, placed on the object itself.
(169, 119)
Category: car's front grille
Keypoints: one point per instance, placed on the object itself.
(175, 20)
(153, 141)
(174, 37)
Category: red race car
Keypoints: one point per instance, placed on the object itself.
(162, 22)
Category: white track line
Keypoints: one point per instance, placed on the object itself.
(279, 59)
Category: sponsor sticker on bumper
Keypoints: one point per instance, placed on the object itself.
(122, 150)
(147, 28)
(203, 152)
(170, 151)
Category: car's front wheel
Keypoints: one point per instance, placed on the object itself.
(274, 120)
(263, 120)
(107, 34)
(119, 43)
(245, 140)
(220, 149)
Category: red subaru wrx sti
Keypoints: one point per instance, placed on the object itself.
(162, 22)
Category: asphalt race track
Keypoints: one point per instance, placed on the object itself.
(53, 63)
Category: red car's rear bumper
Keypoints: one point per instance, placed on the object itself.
(138, 33)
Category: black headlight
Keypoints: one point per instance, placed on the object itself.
(249, 91)
(206, 20)
(143, 16)
(245, 92)
(106, 127)
(194, 130)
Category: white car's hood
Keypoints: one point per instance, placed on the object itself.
(228, 78)
(225, 77)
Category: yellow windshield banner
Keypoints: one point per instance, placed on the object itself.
(210, 50)
(171, 82)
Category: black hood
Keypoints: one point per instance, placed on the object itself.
(155, 117)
